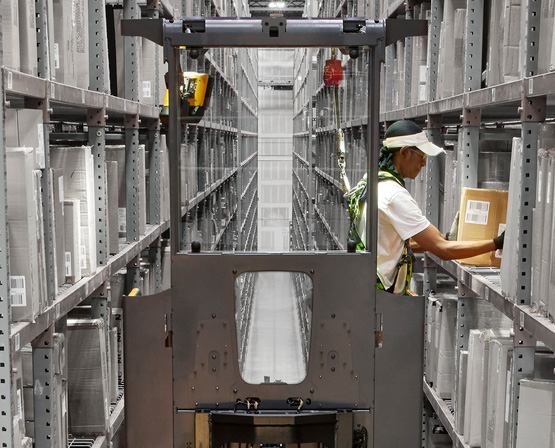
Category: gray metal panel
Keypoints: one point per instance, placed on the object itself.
(203, 323)
(130, 54)
(147, 361)
(399, 371)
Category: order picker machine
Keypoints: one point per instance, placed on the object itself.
(191, 376)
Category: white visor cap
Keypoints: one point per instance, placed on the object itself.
(419, 140)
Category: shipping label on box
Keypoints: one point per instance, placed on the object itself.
(483, 213)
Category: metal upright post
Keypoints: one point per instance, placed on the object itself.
(533, 112)
(433, 47)
(133, 204)
(409, 47)
(97, 36)
(155, 193)
(6, 408)
(96, 119)
(44, 390)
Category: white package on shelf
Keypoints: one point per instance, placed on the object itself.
(112, 189)
(545, 42)
(448, 53)
(77, 163)
(535, 414)
(445, 382)
(10, 34)
(538, 212)
(512, 230)
(88, 389)
(71, 43)
(25, 128)
(24, 213)
(496, 32)
(114, 390)
(512, 40)
(430, 343)
(497, 427)
(72, 245)
(547, 234)
(121, 62)
(27, 37)
(58, 225)
(476, 387)
(460, 391)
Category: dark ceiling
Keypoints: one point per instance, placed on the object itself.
(291, 8)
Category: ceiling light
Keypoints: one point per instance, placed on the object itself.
(276, 5)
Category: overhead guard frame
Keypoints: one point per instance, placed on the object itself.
(275, 32)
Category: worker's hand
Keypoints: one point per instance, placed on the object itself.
(454, 231)
(499, 241)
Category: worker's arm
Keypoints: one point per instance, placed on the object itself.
(431, 240)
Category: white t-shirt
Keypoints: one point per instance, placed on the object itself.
(399, 218)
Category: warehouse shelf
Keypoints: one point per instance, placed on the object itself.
(19, 85)
(485, 283)
(23, 333)
(445, 415)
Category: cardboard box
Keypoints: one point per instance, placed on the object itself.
(447, 317)
(483, 216)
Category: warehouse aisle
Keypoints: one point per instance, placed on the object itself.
(274, 347)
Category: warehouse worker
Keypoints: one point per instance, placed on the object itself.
(402, 228)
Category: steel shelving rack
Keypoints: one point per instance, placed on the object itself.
(222, 196)
(526, 102)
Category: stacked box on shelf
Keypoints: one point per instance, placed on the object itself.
(476, 386)
(25, 227)
(120, 58)
(72, 240)
(496, 31)
(536, 413)
(431, 336)
(451, 49)
(446, 332)
(116, 153)
(419, 92)
(18, 403)
(512, 233)
(10, 35)
(25, 129)
(546, 266)
(71, 43)
(88, 388)
(499, 384)
(547, 37)
(153, 86)
(27, 36)
(77, 165)
(58, 225)
(513, 41)
(459, 402)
